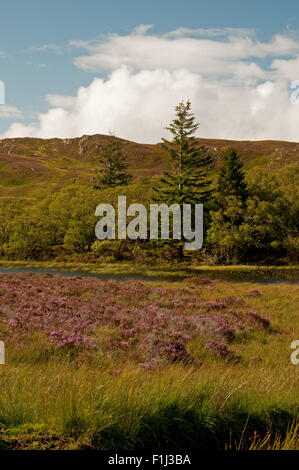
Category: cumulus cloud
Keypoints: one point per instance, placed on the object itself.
(239, 86)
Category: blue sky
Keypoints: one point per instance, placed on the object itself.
(37, 58)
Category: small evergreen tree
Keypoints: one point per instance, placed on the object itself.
(225, 233)
(189, 181)
(114, 165)
(231, 181)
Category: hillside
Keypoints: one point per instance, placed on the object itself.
(33, 167)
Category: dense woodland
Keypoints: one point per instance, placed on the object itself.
(249, 216)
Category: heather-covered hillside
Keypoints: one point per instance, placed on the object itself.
(34, 167)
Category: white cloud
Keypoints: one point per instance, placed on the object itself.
(49, 47)
(10, 112)
(198, 50)
(234, 94)
(210, 32)
(287, 68)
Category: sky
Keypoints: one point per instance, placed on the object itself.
(71, 67)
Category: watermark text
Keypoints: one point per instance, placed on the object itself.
(186, 221)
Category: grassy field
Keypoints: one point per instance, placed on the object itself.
(188, 364)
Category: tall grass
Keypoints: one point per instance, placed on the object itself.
(118, 406)
(76, 399)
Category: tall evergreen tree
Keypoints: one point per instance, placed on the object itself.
(114, 165)
(189, 181)
(231, 181)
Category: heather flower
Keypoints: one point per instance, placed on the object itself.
(220, 349)
(224, 330)
(213, 304)
(151, 323)
(263, 320)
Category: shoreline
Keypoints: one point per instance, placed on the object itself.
(130, 271)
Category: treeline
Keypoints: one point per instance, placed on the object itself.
(248, 216)
(62, 225)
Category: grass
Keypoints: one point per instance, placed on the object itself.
(174, 408)
(14, 182)
(161, 272)
(70, 399)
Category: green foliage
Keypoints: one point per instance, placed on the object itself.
(265, 229)
(30, 236)
(189, 181)
(114, 165)
(231, 181)
(266, 226)
(252, 217)
(8, 211)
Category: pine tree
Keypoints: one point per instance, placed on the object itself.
(189, 181)
(231, 181)
(114, 165)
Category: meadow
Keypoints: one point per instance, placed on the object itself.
(135, 344)
(195, 363)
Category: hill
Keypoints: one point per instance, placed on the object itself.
(31, 167)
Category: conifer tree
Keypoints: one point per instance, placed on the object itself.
(231, 181)
(189, 181)
(114, 165)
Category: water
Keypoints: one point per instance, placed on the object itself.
(255, 276)
(75, 273)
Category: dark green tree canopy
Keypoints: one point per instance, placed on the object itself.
(231, 181)
(188, 182)
(114, 165)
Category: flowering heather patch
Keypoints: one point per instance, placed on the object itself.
(150, 323)
(213, 304)
(220, 349)
(264, 321)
